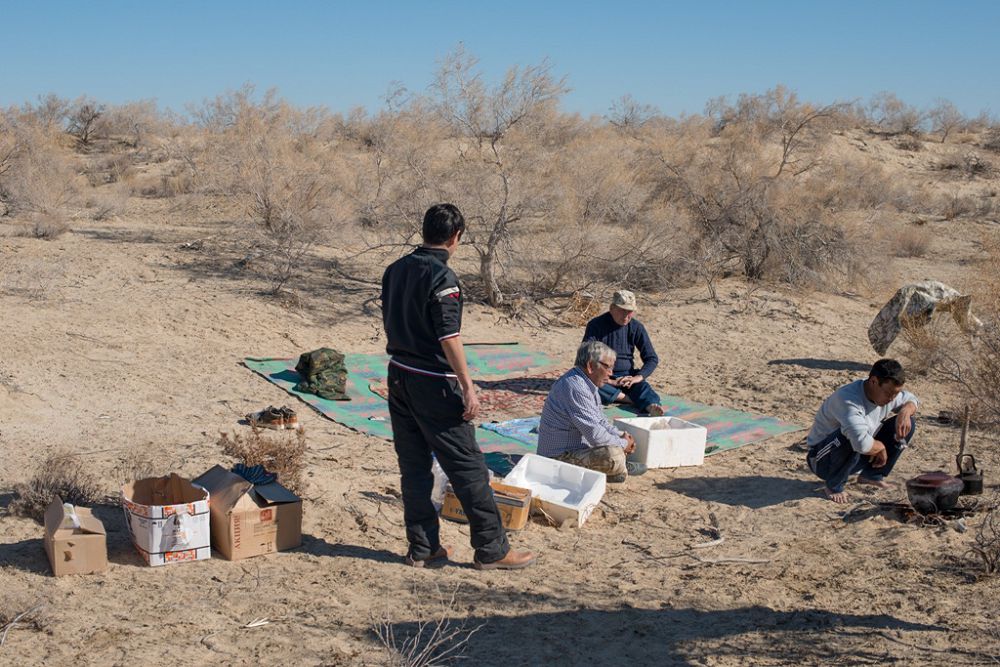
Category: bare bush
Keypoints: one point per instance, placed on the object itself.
(283, 454)
(986, 545)
(109, 203)
(991, 139)
(437, 641)
(45, 227)
(267, 157)
(968, 165)
(911, 241)
(82, 120)
(16, 612)
(61, 475)
(36, 175)
(907, 142)
(945, 118)
(133, 466)
(893, 116)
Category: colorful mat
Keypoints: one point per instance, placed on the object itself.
(504, 442)
(367, 412)
(727, 428)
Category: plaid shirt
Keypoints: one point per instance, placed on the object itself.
(572, 418)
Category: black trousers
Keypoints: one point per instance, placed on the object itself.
(426, 416)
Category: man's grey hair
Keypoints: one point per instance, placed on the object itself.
(593, 352)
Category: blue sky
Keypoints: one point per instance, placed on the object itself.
(673, 55)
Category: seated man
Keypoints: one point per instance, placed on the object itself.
(573, 428)
(619, 330)
(862, 427)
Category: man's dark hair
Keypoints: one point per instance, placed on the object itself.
(441, 222)
(888, 369)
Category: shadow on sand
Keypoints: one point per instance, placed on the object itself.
(754, 492)
(629, 636)
(822, 364)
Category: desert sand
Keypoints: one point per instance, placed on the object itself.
(115, 339)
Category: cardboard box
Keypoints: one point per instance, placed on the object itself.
(251, 519)
(167, 518)
(74, 547)
(513, 502)
(564, 492)
(665, 442)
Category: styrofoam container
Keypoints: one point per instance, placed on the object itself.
(562, 490)
(665, 442)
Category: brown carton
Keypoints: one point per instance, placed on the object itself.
(251, 519)
(71, 549)
(513, 502)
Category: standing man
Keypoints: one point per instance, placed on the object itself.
(862, 428)
(432, 399)
(619, 330)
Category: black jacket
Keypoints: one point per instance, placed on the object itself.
(421, 306)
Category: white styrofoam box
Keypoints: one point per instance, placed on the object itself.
(175, 529)
(665, 442)
(562, 490)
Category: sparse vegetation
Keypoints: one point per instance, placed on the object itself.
(441, 640)
(280, 452)
(59, 476)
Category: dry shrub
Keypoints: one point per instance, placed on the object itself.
(46, 227)
(991, 139)
(36, 171)
(61, 475)
(908, 142)
(282, 453)
(969, 165)
(911, 241)
(440, 640)
(109, 203)
(986, 544)
(135, 465)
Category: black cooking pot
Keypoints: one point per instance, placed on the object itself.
(934, 492)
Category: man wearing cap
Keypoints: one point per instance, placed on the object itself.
(862, 428)
(619, 330)
(432, 399)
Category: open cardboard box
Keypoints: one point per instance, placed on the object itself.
(251, 519)
(74, 547)
(167, 518)
(513, 502)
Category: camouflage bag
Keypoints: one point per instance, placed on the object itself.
(323, 373)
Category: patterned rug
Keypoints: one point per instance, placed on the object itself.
(505, 390)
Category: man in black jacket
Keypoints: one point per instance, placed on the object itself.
(432, 399)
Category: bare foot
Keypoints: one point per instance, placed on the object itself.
(880, 483)
(840, 498)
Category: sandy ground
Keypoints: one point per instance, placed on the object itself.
(113, 340)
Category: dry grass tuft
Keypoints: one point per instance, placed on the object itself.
(17, 614)
(281, 453)
(60, 475)
(912, 242)
(135, 465)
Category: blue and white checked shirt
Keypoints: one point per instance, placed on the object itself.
(572, 418)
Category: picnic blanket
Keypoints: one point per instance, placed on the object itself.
(727, 428)
(368, 412)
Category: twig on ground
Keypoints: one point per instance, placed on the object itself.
(705, 545)
(10, 626)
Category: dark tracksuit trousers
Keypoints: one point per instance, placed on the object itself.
(426, 416)
(834, 460)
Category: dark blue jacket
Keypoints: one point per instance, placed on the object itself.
(624, 340)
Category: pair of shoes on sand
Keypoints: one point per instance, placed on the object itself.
(276, 418)
(514, 560)
(632, 468)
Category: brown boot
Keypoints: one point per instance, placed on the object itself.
(514, 560)
(442, 554)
